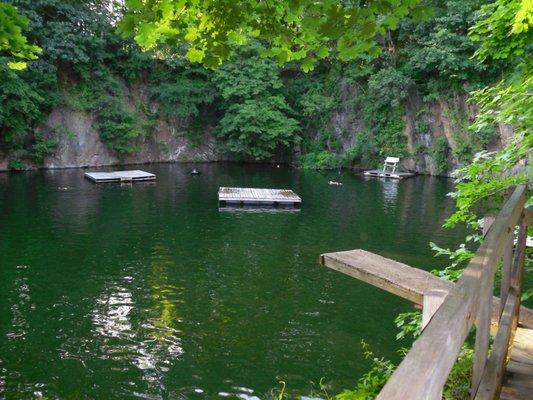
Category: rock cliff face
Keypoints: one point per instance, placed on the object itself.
(424, 124)
(80, 145)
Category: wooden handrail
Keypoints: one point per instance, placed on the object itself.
(403, 280)
(425, 369)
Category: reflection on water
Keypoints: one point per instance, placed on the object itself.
(166, 299)
(110, 316)
(20, 304)
(390, 192)
(149, 291)
(150, 338)
(258, 209)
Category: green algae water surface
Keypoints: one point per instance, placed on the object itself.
(149, 291)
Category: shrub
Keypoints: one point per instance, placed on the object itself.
(439, 153)
(320, 160)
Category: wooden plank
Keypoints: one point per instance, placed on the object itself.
(518, 382)
(401, 279)
(520, 367)
(433, 354)
(516, 393)
(523, 346)
(493, 375)
(523, 340)
(392, 276)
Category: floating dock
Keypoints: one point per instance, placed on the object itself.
(232, 196)
(393, 175)
(389, 170)
(120, 176)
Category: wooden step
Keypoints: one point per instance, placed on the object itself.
(518, 381)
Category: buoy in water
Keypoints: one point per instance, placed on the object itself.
(195, 172)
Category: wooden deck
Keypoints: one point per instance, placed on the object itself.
(260, 197)
(450, 313)
(392, 175)
(120, 176)
(518, 380)
(413, 283)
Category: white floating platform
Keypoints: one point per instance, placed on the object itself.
(393, 175)
(251, 196)
(120, 176)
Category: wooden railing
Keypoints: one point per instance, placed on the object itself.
(424, 370)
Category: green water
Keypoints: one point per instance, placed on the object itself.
(148, 291)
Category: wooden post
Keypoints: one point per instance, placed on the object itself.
(432, 301)
(491, 381)
(506, 273)
(481, 351)
(519, 258)
(528, 217)
(487, 223)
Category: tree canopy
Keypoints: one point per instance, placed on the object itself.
(13, 43)
(505, 33)
(255, 106)
(304, 30)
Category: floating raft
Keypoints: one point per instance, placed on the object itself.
(120, 176)
(231, 196)
(393, 175)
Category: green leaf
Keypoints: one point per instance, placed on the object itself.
(195, 55)
(308, 64)
(322, 52)
(192, 34)
(17, 65)
(237, 38)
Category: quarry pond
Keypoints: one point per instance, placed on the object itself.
(148, 290)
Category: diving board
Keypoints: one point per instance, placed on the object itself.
(400, 279)
(120, 176)
(254, 196)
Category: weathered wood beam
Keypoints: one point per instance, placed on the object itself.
(528, 217)
(492, 378)
(401, 279)
(432, 301)
(393, 276)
